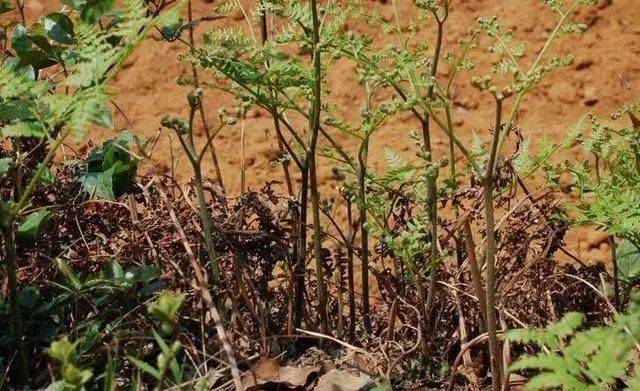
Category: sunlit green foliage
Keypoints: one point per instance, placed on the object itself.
(573, 359)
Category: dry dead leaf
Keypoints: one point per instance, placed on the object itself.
(338, 380)
(268, 374)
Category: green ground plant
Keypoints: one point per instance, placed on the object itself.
(265, 275)
(572, 359)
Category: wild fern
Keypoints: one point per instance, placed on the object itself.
(572, 359)
(609, 182)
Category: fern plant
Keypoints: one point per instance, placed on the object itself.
(572, 359)
(284, 85)
(402, 68)
(605, 182)
(609, 183)
(261, 73)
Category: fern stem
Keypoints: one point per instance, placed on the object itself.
(432, 198)
(350, 276)
(196, 84)
(311, 157)
(364, 234)
(300, 265)
(276, 122)
(494, 344)
(196, 164)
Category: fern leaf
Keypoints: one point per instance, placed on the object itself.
(393, 160)
(523, 162)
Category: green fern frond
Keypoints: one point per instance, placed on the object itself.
(226, 7)
(592, 359)
(15, 84)
(94, 57)
(393, 160)
(523, 162)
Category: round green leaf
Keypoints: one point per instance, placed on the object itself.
(36, 58)
(20, 39)
(628, 260)
(59, 28)
(28, 229)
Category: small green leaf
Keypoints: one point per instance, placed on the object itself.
(91, 10)
(142, 274)
(20, 39)
(5, 6)
(46, 176)
(36, 58)
(21, 70)
(57, 386)
(549, 380)
(114, 270)
(103, 117)
(14, 109)
(69, 274)
(97, 9)
(28, 230)
(59, 28)
(172, 29)
(75, 377)
(146, 368)
(166, 308)
(110, 169)
(5, 164)
(22, 129)
(61, 350)
(98, 184)
(166, 352)
(628, 260)
(37, 36)
(163, 345)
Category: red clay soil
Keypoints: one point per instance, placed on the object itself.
(605, 75)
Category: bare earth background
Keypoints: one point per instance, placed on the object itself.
(606, 75)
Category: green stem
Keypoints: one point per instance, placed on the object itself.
(350, 274)
(534, 66)
(203, 118)
(207, 224)
(196, 163)
(432, 198)
(364, 234)
(494, 344)
(276, 123)
(315, 202)
(300, 266)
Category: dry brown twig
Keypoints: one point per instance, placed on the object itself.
(202, 286)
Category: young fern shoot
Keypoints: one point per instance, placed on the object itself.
(195, 155)
(521, 85)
